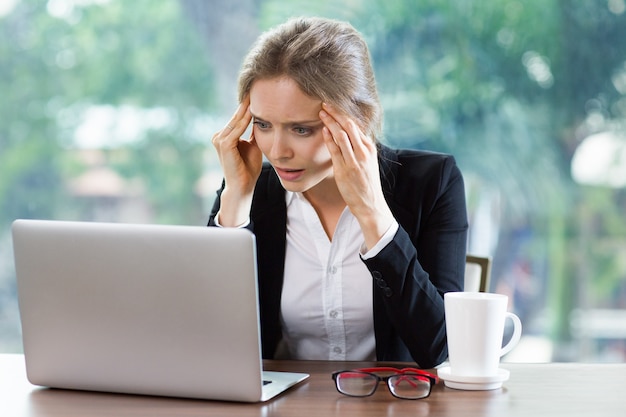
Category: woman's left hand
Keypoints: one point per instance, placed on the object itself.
(355, 166)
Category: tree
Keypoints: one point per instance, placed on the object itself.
(59, 61)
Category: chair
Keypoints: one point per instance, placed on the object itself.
(477, 273)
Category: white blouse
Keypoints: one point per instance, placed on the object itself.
(326, 305)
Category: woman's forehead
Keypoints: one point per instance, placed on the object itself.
(282, 99)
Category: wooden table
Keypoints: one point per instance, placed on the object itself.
(533, 390)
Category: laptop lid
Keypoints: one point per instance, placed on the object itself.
(143, 309)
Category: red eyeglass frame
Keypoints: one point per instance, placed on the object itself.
(426, 376)
(432, 377)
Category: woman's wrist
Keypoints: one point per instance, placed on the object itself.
(375, 226)
(234, 208)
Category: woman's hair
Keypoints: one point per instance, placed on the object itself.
(328, 59)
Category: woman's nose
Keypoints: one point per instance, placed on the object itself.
(280, 146)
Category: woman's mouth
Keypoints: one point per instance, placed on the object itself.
(286, 174)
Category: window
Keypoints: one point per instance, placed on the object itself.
(108, 107)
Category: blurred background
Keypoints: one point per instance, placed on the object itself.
(107, 108)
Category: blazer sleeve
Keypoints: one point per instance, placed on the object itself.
(216, 206)
(425, 259)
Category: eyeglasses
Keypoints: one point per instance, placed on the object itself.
(407, 383)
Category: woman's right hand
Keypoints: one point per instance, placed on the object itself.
(241, 162)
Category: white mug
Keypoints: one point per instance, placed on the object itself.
(475, 328)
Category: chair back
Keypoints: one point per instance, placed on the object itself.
(477, 273)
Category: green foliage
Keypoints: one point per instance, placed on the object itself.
(58, 64)
(167, 163)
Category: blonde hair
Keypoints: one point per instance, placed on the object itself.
(328, 59)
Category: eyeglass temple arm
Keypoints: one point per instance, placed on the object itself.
(434, 379)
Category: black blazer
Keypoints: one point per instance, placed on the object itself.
(426, 258)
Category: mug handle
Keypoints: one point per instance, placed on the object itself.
(517, 334)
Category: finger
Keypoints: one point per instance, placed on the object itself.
(356, 135)
(249, 140)
(230, 135)
(341, 120)
(342, 160)
(333, 149)
(248, 148)
(239, 122)
(339, 136)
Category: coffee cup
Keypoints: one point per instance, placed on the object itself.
(475, 328)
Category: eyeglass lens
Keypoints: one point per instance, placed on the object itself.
(362, 384)
(357, 384)
(409, 386)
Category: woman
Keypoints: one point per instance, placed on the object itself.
(356, 242)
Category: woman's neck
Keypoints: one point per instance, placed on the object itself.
(328, 204)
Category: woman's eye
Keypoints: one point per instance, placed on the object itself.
(261, 125)
(302, 131)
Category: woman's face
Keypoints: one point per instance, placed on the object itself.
(288, 130)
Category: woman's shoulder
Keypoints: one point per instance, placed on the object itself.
(412, 153)
(404, 162)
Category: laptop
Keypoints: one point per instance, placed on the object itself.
(142, 309)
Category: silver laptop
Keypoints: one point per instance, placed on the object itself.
(142, 309)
